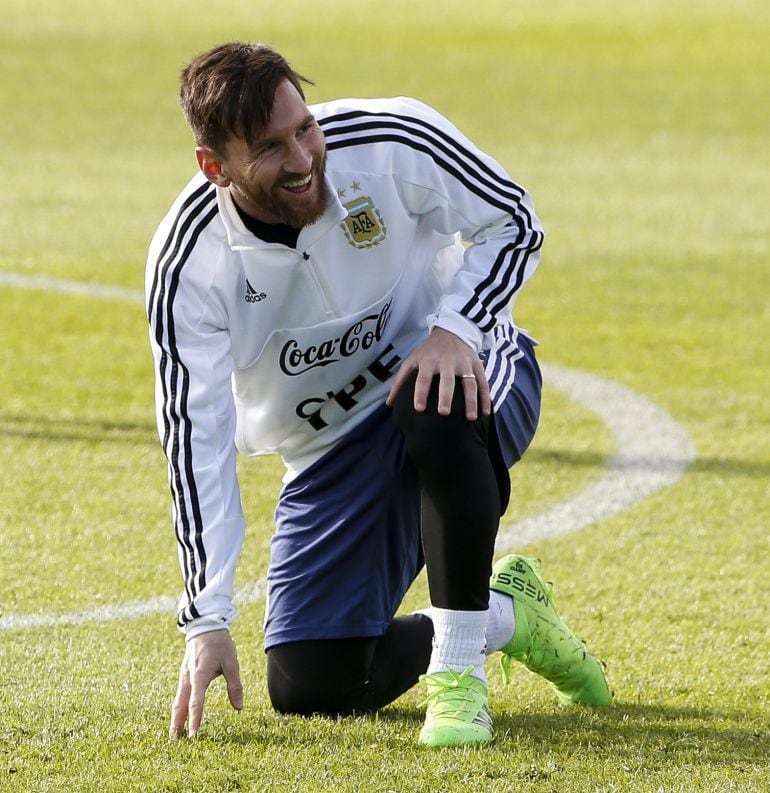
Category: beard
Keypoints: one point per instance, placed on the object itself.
(295, 210)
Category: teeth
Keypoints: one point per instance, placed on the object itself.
(299, 182)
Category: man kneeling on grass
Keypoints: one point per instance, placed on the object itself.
(309, 293)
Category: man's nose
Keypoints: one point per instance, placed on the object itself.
(298, 158)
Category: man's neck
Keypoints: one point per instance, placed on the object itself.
(269, 232)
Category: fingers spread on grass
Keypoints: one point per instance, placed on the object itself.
(234, 686)
(195, 710)
(179, 707)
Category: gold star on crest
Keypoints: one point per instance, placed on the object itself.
(341, 192)
(356, 187)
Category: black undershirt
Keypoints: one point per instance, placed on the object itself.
(270, 232)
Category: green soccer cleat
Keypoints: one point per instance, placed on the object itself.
(457, 710)
(541, 641)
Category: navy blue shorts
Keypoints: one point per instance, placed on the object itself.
(347, 542)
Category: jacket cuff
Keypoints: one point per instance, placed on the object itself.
(219, 619)
(463, 328)
(191, 631)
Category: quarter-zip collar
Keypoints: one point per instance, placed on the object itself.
(239, 238)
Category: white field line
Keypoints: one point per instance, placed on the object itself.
(653, 451)
(46, 284)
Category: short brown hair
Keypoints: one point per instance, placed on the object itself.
(229, 91)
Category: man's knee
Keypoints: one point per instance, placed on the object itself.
(304, 679)
(434, 440)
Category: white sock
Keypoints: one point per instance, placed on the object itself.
(502, 621)
(459, 641)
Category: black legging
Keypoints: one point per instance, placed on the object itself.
(464, 486)
(340, 677)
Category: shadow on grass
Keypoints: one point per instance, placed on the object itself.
(620, 733)
(77, 429)
(628, 730)
(723, 466)
(101, 430)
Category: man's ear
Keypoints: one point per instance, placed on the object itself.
(211, 166)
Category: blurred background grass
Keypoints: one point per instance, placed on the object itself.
(641, 129)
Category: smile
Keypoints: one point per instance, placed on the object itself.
(298, 184)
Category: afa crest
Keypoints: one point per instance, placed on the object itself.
(363, 226)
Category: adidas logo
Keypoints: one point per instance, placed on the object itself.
(252, 296)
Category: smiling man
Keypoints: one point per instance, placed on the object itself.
(309, 294)
(276, 177)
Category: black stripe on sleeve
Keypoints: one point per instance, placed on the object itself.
(509, 268)
(451, 165)
(434, 135)
(175, 383)
(189, 201)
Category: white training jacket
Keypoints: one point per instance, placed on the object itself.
(273, 349)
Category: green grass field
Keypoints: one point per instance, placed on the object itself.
(642, 130)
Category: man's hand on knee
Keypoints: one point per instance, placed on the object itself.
(449, 357)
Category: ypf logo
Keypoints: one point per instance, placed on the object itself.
(363, 226)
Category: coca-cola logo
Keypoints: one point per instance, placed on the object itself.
(295, 360)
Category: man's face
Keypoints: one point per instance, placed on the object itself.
(278, 177)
